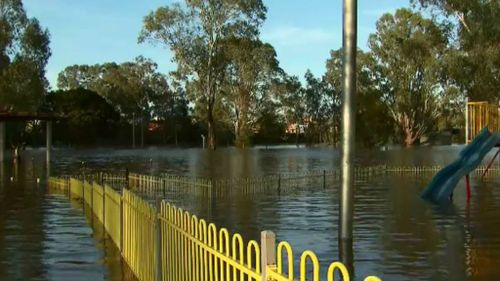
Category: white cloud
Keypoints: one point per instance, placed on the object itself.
(298, 36)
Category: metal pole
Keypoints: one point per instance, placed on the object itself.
(49, 140)
(2, 141)
(348, 116)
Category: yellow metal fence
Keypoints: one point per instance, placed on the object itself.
(113, 215)
(170, 244)
(480, 115)
(140, 236)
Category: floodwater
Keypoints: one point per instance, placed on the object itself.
(397, 236)
(44, 236)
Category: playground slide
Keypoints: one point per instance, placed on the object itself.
(445, 181)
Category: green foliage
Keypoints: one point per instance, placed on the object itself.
(135, 90)
(131, 87)
(24, 52)
(252, 65)
(408, 50)
(322, 103)
(195, 32)
(291, 95)
(374, 125)
(90, 118)
(270, 125)
(474, 60)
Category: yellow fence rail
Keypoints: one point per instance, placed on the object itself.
(480, 115)
(170, 244)
(140, 236)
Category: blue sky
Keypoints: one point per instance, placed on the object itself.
(95, 31)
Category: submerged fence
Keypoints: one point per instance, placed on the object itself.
(166, 183)
(166, 243)
(224, 187)
(170, 185)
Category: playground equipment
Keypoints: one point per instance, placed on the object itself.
(480, 142)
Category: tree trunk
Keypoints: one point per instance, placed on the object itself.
(175, 134)
(297, 134)
(142, 132)
(409, 137)
(211, 128)
(237, 129)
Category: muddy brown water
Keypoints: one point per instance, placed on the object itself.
(397, 235)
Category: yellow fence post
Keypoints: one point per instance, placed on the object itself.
(158, 241)
(121, 225)
(103, 207)
(91, 205)
(267, 251)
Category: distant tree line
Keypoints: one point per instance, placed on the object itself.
(422, 63)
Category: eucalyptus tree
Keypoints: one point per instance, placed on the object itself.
(252, 65)
(374, 124)
(195, 31)
(322, 104)
(79, 76)
(291, 95)
(24, 52)
(408, 50)
(473, 62)
(135, 89)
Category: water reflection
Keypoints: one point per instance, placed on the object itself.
(397, 235)
(44, 236)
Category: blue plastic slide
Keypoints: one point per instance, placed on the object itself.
(445, 181)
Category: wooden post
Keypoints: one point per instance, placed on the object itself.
(267, 251)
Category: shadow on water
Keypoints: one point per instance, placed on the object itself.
(44, 236)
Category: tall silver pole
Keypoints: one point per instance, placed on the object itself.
(348, 119)
(2, 141)
(48, 143)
